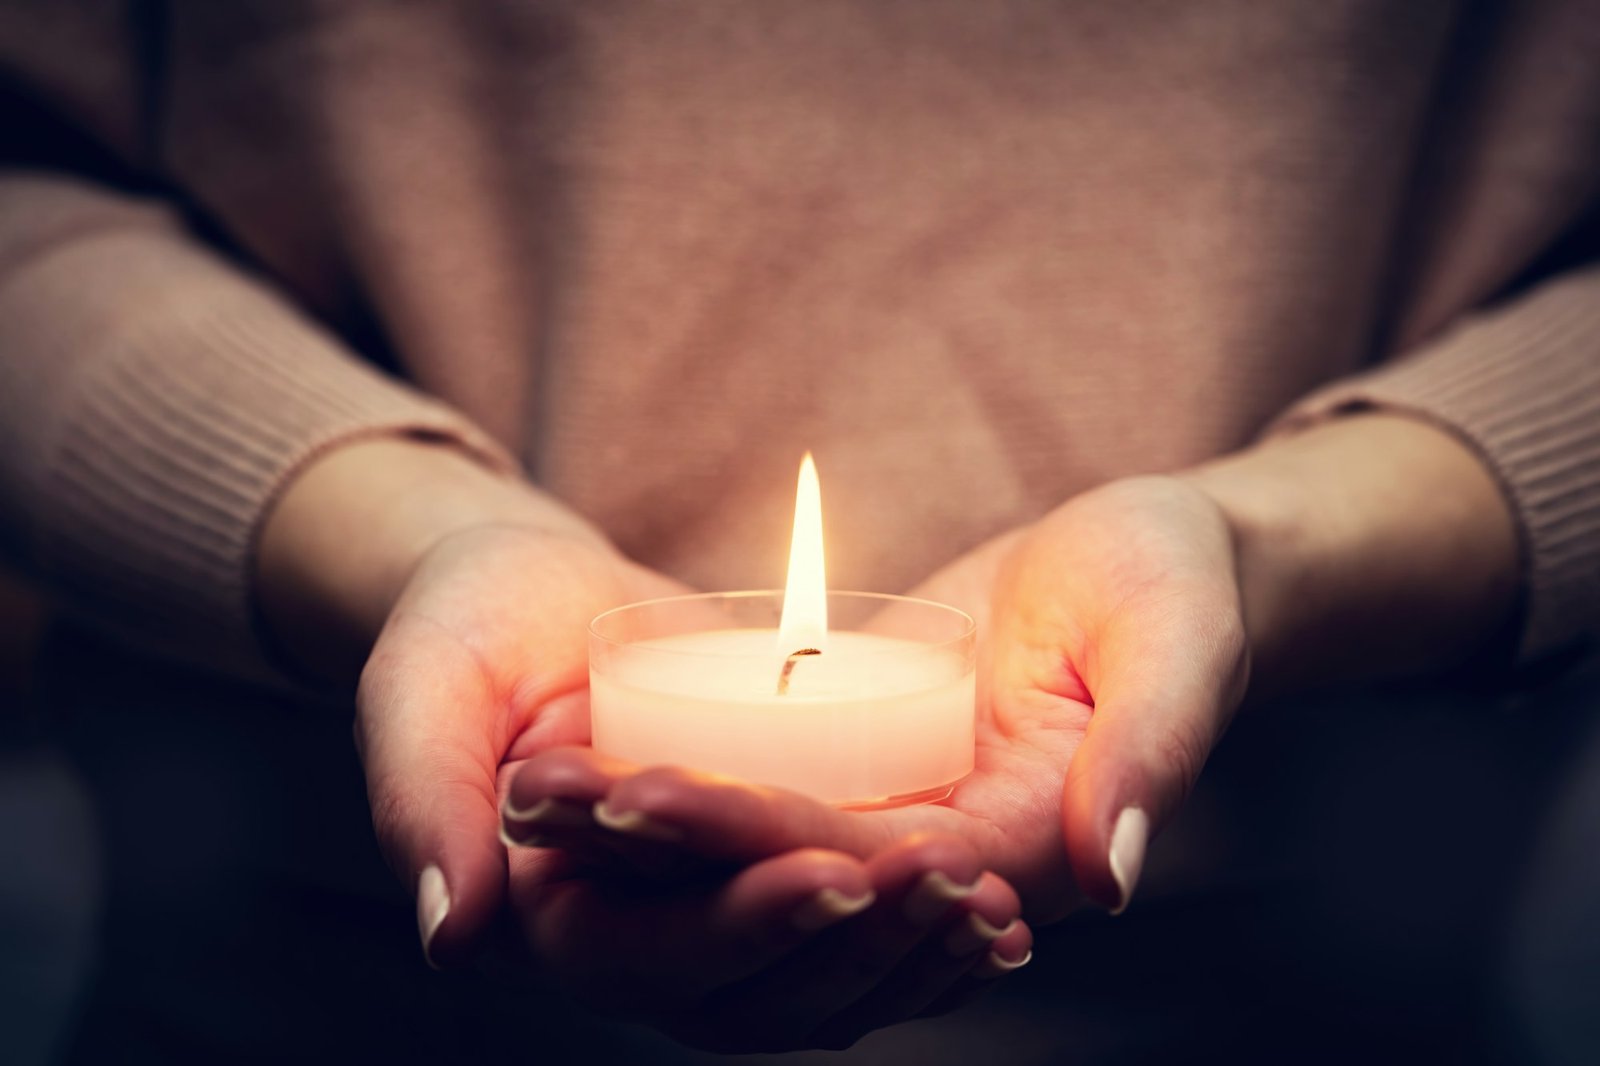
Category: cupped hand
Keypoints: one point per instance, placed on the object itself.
(1112, 654)
(482, 661)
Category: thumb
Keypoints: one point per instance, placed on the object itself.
(1167, 679)
(426, 727)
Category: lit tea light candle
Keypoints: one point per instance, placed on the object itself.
(854, 698)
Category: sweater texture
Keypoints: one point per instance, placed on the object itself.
(977, 257)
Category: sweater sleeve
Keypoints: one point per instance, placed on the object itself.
(154, 400)
(1520, 384)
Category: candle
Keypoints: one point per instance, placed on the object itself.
(857, 699)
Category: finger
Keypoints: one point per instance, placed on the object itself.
(551, 797)
(1009, 953)
(561, 721)
(725, 820)
(631, 951)
(543, 827)
(551, 801)
(935, 966)
(425, 730)
(1168, 676)
(919, 884)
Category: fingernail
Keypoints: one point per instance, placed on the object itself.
(636, 824)
(932, 897)
(827, 907)
(1128, 839)
(534, 840)
(973, 934)
(549, 811)
(996, 966)
(433, 904)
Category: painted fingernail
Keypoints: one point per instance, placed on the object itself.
(828, 907)
(972, 934)
(1128, 839)
(433, 905)
(636, 824)
(932, 897)
(549, 812)
(995, 965)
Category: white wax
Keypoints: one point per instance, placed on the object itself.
(871, 718)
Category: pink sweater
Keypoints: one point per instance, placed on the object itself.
(978, 256)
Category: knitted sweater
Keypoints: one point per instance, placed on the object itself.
(977, 256)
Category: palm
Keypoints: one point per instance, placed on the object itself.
(1007, 807)
(499, 616)
(1104, 578)
(483, 659)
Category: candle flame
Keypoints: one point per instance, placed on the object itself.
(805, 597)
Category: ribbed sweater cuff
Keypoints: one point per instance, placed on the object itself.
(1520, 384)
(175, 437)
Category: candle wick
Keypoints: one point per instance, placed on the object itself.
(788, 668)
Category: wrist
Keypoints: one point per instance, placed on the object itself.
(349, 529)
(1369, 546)
(1279, 547)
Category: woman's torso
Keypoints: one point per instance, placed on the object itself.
(977, 257)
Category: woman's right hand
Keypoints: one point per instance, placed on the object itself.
(482, 662)
(466, 594)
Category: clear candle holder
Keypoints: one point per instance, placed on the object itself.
(878, 713)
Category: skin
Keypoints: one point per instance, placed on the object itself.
(1118, 635)
(473, 593)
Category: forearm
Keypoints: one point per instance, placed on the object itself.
(154, 399)
(348, 531)
(1369, 546)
